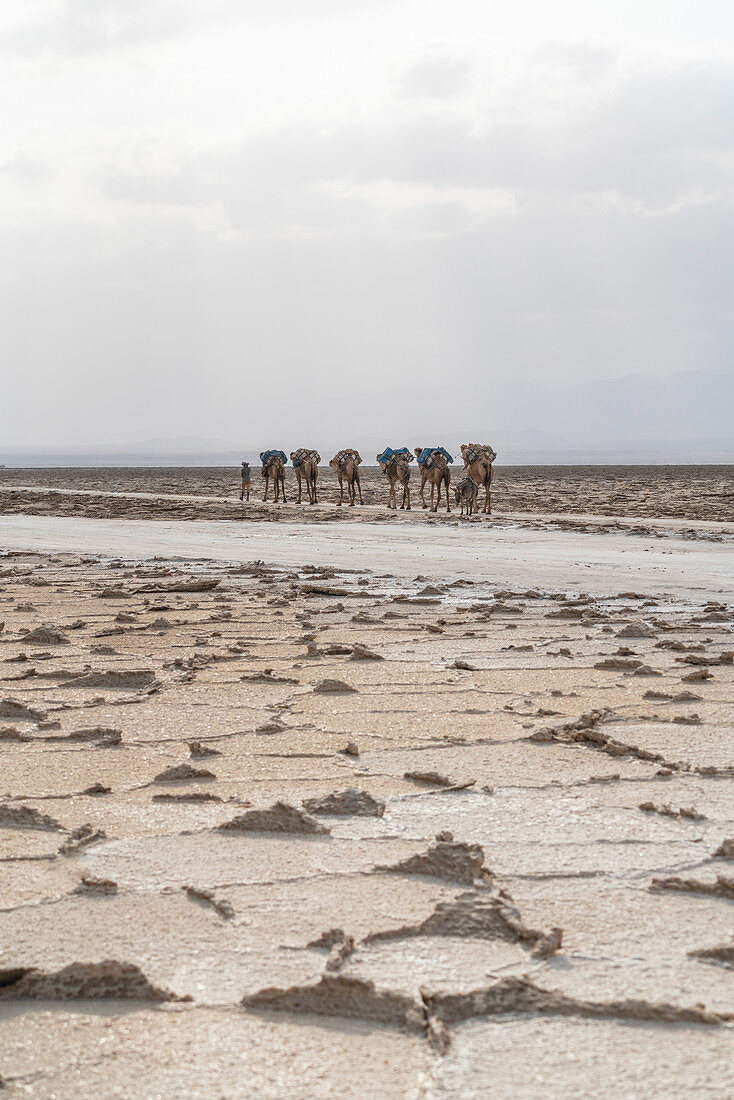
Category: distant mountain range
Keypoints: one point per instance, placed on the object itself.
(683, 418)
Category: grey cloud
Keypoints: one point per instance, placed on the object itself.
(438, 75)
(557, 293)
(583, 60)
(27, 168)
(653, 140)
(75, 28)
(78, 27)
(361, 260)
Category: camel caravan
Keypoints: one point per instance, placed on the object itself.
(433, 468)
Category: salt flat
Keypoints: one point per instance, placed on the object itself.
(364, 810)
(509, 555)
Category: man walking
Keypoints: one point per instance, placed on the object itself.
(245, 481)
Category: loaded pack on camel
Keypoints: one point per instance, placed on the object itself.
(345, 465)
(433, 463)
(273, 465)
(395, 464)
(306, 465)
(426, 456)
(478, 459)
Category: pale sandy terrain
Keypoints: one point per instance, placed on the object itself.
(162, 934)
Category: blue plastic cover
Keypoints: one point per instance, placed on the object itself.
(429, 451)
(265, 456)
(389, 452)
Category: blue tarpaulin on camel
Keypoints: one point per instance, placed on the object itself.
(265, 456)
(428, 451)
(388, 453)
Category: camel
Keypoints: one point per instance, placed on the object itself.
(274, 466)
(306, 465)
(396, 467)
(466, 493)
(478, 459)
(346, 464)
(436, 471)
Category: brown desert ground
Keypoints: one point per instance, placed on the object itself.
(312, 831)
(643, 492)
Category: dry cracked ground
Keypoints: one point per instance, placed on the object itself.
(329, 834)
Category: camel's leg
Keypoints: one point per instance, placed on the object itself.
(351, 492)
(341, 493)
(267, 482)
(359, 487)
(422, 490)
(407, 496)
(282, 488)
(298, 479)
(447, 482)
(488, 501)
(434, 507)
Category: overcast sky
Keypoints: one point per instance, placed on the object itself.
(249, 220)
